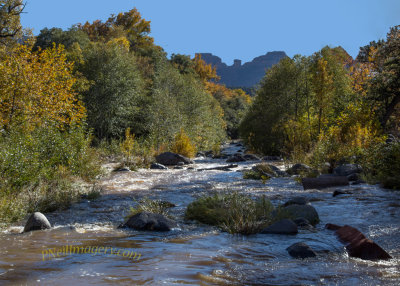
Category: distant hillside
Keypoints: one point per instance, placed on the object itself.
(246, 75)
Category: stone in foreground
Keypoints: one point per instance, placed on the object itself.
(285, 226)
(37, 221)
(301, 250)
(325, 181)
(170, 159)
(150, 221)
(357, 245)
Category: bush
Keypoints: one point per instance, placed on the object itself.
(232, 212)
(42, 170)
(183, 145)
(382, 163)
(151, 206)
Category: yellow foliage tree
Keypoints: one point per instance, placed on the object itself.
(183, 145)
(37, 88)
(205, 71)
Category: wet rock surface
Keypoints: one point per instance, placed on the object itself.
(37, 221)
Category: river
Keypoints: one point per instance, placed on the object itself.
(195, 254)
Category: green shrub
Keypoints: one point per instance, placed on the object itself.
(232, 212)
(151, 206)
(381, 163)
(43, 170)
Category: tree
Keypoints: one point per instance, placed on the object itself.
(113, 101)
(37, 88)
(10, 11)
(386, 83)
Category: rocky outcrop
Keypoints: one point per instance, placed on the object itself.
(357, 245)
(150, 221)
(246, 75)
(324, 181)
(169, 159)
(285, 226)
(301, 250)
(37, 221)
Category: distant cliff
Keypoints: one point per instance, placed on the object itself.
(246, 75)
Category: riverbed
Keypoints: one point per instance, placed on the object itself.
(194, 254)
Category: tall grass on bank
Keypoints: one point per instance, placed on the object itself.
(43, 170)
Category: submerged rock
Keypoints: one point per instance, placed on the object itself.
(150, 221)
(235, 158)
(285, 226)
(339, 192)
(271, 158)
(169, 159)
(297, 201)
(357, 245)
(325, 181)
(298, 168)
(302, 211)
(37, 221)
(301, 250)
(157, 166)
(251, 157)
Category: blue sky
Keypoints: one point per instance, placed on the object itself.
(235, 29)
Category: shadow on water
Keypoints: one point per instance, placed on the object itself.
(196, 254)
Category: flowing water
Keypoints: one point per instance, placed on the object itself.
(196, 254)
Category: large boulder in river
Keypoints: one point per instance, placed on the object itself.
(324, 181)
(37, 221)
(169, 158)
(300, 250)
(302, 211)
(150, 221)
(347, 169)
(285, 226)
(357, 245)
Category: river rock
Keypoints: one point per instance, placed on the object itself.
(122, 169)
(37, 221)
(297, 201)
(271, 158)
(251, 157)
(298, 168)
(357, 245)
(303, 211)
(324, 181)
(150, 221)
(285, 226)
(347, 169)
(235, 158)
(301, 250)
(339, 192)
(169, 158)
(157, 166)
(353, 177)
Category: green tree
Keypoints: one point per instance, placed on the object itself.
(114, 98)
